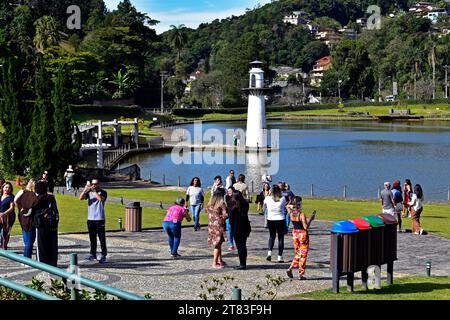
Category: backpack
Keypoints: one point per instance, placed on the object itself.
(47, 217)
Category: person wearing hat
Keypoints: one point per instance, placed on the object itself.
(172, 224)
(69, 178)
(387, 200)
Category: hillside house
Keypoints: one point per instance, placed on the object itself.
(328, 35)
(296, 18)
(319, 68)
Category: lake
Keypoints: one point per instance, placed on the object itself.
(329, 155)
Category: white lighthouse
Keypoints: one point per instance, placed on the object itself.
(256, 116)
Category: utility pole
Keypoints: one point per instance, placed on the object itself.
(446, 81)
(163, 75)
(339, 89)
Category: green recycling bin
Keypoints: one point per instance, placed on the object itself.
(376, 240)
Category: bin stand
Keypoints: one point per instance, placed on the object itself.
(350, 280)
(364, 278)
(335, 268)
(390, 273)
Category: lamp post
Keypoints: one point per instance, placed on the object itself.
(446, 81)
(339, 89)
(163, 75)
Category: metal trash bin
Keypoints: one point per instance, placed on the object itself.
(343, 251)
(133, 217)
(376, 239)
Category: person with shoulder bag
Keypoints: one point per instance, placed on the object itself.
(7, 214)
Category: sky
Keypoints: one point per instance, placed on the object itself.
(191, 13)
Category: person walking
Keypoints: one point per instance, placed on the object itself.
(276, 221)
(416, 207)
(172, 224)
(300, 238)
(289, 196)
(241, 186)
(68, 176)
(230, 180)
(49, 180)
(25, 200)
(217, 213)
(398, 200)
(407, 194)
(46, 219)
(196, 198)
(387, 200)
(240, 226)
(96, 198)
(217, 186)
(7, 214)
(228, 203)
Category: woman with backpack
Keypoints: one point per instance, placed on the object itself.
(25, 200)
(45, 219)
(7, 214)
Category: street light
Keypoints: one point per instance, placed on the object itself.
(339, 89)
(446, 81)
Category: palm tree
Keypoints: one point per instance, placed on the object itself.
(177, 38)
(46, 33)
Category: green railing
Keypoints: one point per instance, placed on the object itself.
(71, 277)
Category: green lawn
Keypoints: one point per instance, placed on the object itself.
(407, 288)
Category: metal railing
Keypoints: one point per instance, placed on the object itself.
(71, 277)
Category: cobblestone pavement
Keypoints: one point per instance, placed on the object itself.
(140, 262)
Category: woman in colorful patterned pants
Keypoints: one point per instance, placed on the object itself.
(300, 238)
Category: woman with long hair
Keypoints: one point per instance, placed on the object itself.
(416, 207)
(217, 214)
(276, 221)
(228, 203)
(240, 226)
(25, 200)
(7, 214)
(300, 237)
(407, 194)
(264, 193)
(196, 198)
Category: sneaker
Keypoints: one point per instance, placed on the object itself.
(416, 233)
(240, 268)
(280, 259)
(269, 258)
(91, 257)
(231, 248)
(289, 273)
(421, 231)
(102, 260)
(301, 278)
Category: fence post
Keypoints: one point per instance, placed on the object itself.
(164, 179)
(73, 270)
(379, 193)
(236, 294)
(345, 191)
(179, 181)
(150, 177)
(252, 187)
(312, 190)
(448, 194)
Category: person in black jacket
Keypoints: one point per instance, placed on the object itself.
(45, 219)
(240, 225)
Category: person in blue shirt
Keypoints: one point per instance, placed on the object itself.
(289, 196)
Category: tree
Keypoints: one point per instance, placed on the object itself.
(13, 117)
(177, 38)
(63, 149)
(42, 137)
(46, 33)
(124, 83)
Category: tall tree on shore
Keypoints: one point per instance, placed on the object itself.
(177, 38)
(47, 33)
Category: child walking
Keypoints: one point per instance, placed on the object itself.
(300, 238)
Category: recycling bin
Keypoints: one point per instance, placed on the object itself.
(390, 237)
(376, 239)
(343, 252)
(363, 243)
(133, 217)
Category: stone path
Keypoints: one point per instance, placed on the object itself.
(140, 262)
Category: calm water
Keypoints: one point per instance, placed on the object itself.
(329, 155)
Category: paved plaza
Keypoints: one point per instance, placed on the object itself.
(141, 263)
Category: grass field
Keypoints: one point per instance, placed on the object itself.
(407, 288)
(435, 217)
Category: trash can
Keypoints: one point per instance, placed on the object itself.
(363, 243)
(390, 237)
(133, 217)
(376, 239)
(343, 252)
